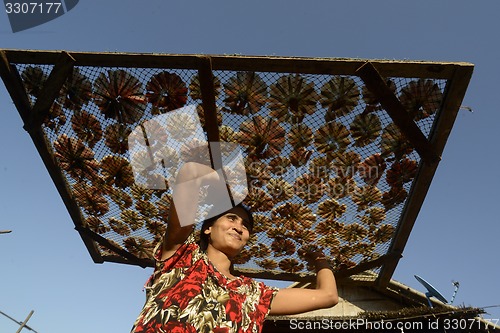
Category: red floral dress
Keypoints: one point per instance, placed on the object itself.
(187, 294)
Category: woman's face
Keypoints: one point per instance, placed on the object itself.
(230, 233)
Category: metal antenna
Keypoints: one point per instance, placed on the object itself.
(22, 324)
(457, 285)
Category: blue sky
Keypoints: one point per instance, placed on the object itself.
(45, 265)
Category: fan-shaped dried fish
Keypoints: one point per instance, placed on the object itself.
(373, 216)
(260, 251)
(309, 188)
(372, 169)
(76, 91)
(331, 209)
(227, 134)
(394, 142)
(148, 134)
(342, 263)
(119, 95)
(331, 137)
(293, 216)
(261, 223)
(353, 233)
(242, 258)
(366, 196)
(276, 232)
(75, 158)
(279, 190)
(166, 91)
(401, 172)
(201, 116)
(364, 249)
(306, 249)
(279, 165)
(140, 192)
(139, 247)
(258, 200)
(146, 208)
(300, 135)
(300, 156)
(182, 127)
(195, 150)
(120, 197)
(167, 157)
(304, 236)
(156, 228)
(267, 264)
(320, 167)
(329, 227)
(291, 265)
(132, 219)
(282, 247)
(90, 199)
(195, 89)
(116, 138)
(34, 79)
(291, 97)
(329, 241)
(340, 96)
(394, 197)
(157, 182)
(105, 251)
(245, 93)
(345, 163)
(55, 118)
(421, 98)
(365, 129)
(264, 137)
(257, 173)
(86, 127)
(382, 234)
(95, 224)
(117, 170)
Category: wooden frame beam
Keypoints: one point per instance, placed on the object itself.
(334, 66)
(454, 93)
(50, 91)
(376, 84)
(14, 85)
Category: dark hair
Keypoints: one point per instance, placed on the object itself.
(204, 238)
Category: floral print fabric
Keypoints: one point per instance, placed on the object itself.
(186, 293)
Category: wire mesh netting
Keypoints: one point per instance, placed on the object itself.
(326, 166)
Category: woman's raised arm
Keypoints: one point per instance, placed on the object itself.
(295, 300)
(190, 178)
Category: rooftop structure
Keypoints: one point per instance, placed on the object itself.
(339, 153)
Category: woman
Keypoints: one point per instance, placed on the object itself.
(192, 288)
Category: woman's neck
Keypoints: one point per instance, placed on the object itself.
(220, 260)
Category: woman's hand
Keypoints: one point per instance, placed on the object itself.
(202, 173)
(297, 300)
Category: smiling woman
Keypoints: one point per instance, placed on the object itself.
(192, 288)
